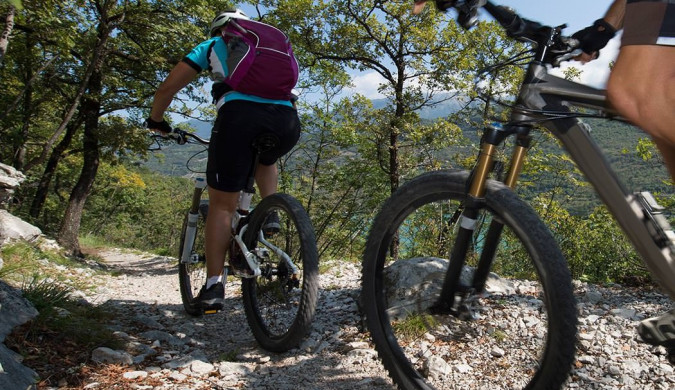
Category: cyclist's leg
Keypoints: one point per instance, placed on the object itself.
(642, 88)
(283, 122)
(642, 83)
(222, 206)
(266, 179)
(227, 169)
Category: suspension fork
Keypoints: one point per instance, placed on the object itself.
(495, 230)
(192, 219)
(476, 187)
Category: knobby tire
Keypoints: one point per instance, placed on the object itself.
(278, 311)
(407, 352)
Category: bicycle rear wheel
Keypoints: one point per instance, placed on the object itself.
(280, 304)
(192, 271)
(530, 319)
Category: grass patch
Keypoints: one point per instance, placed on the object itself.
(499, 335)
(415, 325)
(25, 262)
(21, 261)
(64, 333)
(92, 241)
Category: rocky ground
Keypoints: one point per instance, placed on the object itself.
(168, 349)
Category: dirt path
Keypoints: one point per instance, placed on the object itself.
(172, 350)
(218, 351)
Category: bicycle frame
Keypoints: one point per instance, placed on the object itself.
(542, 92)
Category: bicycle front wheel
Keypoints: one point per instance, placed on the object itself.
(280, 304)
(519, 333)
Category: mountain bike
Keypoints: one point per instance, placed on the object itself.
(278, 268)
(460, 226)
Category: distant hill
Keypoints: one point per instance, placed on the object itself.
(201, 128)
(431, 112)
(616, 139)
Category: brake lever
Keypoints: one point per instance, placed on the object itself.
(566, 57)
(571, 51)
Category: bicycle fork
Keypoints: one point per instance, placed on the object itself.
(186, 255)
(452, 288)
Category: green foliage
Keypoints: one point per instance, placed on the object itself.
(594, 246)
(137, 209)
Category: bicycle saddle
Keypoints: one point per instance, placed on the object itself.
(265, 142)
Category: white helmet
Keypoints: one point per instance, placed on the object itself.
(224, 17)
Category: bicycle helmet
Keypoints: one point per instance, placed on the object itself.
(224, 17)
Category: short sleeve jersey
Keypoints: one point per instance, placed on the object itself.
(211, 55)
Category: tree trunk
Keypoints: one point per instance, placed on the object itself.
(7, 31)
(46, 179)
(70, 225)
(20, 148)
(90, 109)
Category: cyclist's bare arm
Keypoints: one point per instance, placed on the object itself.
(179, 77)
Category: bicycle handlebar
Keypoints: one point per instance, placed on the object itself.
(562, 48)
(181, 137)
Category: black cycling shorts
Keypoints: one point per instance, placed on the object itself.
(649, 22)
(238, 123)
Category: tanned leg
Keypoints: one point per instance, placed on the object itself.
(642, 87)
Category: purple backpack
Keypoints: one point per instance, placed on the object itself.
(260, 60)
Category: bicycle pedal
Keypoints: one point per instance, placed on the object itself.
(212, 308)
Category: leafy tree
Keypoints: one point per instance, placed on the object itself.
(111, 58)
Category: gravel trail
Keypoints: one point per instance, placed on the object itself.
(168, 349)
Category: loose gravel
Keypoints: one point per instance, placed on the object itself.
(168, 349)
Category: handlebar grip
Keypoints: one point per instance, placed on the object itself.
(511, 22)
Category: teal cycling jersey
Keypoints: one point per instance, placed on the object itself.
(211, 55)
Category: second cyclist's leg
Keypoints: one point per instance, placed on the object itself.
(642, 88)
(266, 179)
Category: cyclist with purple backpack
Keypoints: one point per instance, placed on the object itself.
(250, 101)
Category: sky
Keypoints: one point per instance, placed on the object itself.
(577, 14)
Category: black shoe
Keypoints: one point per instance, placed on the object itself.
(271, 225)
(212, 298)
(659, 330)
